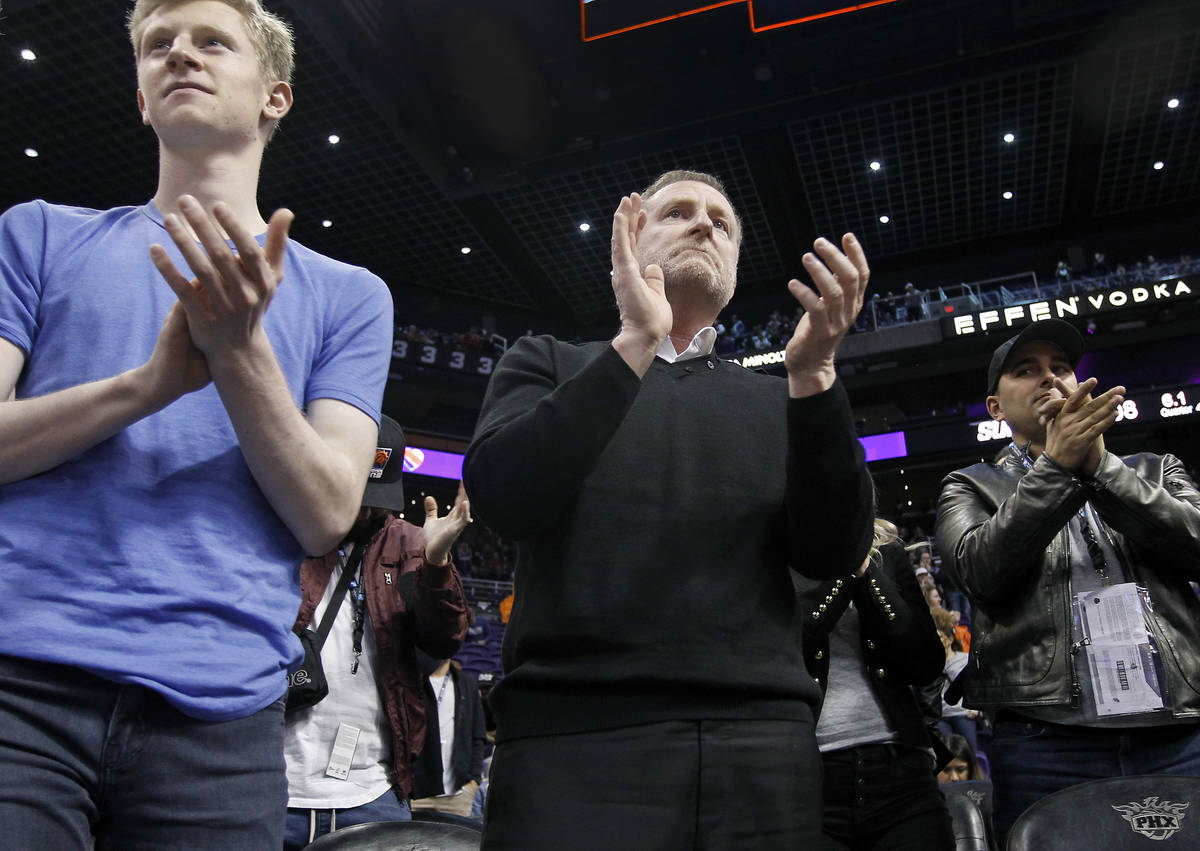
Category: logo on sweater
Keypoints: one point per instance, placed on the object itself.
(298, 678)
(1153, 818)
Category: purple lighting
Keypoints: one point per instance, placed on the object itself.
(880, 447)
(432, 462)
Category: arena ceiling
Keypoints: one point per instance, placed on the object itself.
(496, 127)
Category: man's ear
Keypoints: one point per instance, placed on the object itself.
(279, 101)
(993, 408)
(142, 107)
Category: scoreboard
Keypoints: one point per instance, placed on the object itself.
(1177, 403)
(470, 362)
(603, 18)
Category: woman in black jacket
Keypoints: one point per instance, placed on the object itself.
(868, 641)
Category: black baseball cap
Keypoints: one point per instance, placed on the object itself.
(1056, 331)
(384, 488)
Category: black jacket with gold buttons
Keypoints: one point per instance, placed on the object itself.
(900, 644)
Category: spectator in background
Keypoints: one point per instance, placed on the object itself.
(914, 303)
(963, 764)
(449, 770)
(868, 641)
(961, 632)
(393, 591)
(955, 717)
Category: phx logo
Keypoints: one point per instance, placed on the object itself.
(1153, 818)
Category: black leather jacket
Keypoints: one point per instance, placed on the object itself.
(1002, 531)
(899, 641)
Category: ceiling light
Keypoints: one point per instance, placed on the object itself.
(876, 165)
(29, 56)
(334, 138)
(885, 219)
(466, 249)
(585, 227)
(326, 223)
(1010, 137)
(1007, 196)
(1173, 103)
(1159, 166)
(31, 152)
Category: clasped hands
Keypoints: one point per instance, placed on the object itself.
(1075, 424)
(220, 310)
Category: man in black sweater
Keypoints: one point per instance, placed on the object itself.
(655, 695)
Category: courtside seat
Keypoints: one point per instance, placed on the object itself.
(1149, 811)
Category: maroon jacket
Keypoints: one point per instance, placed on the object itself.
(411, 603)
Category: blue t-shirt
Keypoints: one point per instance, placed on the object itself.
(153, 557)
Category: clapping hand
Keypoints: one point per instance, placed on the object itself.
(442, 532)
(226, 300)
(841, 281)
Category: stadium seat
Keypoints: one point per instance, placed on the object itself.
(1116, 814)
(970, 830)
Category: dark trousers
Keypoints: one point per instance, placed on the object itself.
(82, 756)
(673, 785)
(884, 797)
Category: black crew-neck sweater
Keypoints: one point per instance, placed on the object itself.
(656, 521)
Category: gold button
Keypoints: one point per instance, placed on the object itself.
(820, 654)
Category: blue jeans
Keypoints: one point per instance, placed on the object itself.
(81, 756)
(1032, 759)
(305, 825)
(963, 726)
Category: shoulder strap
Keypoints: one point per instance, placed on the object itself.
(349, 568)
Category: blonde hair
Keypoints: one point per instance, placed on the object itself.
(885, 533)
(679, 175)
(271, 36)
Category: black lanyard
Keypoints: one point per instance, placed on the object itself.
(1094, 550)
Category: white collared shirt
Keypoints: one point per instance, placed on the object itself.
(701, 345)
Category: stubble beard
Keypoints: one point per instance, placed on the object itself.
(687, 274)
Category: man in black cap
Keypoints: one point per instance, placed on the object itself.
(349, 756)
(1086, 647)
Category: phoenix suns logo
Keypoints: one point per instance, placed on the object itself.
(382, 455)
(1153, 818)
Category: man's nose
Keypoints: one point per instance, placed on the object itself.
(701, 224)
(181, 53)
